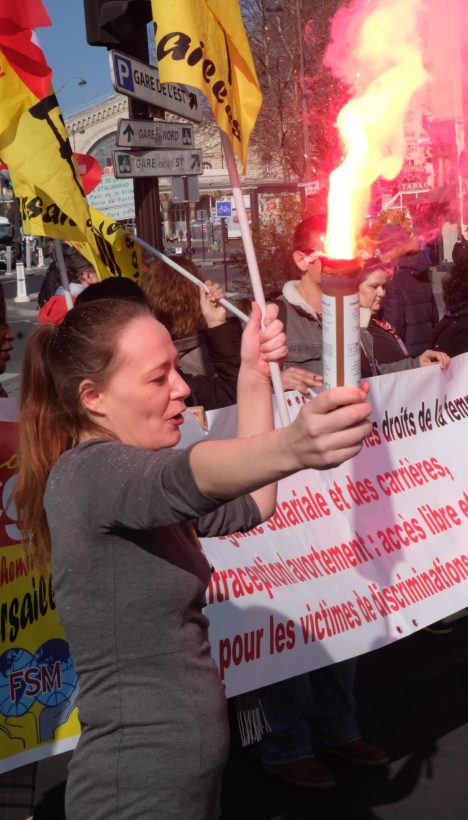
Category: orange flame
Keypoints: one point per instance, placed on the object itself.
(379, 54)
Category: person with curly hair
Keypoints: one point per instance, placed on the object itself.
(207, 341)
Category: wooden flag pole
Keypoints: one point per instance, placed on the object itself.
(251, 258)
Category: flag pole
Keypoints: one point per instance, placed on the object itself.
(251, 258)
(224, 302)
(63, 273)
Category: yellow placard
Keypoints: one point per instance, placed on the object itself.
(38, 682)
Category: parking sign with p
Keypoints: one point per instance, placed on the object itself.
(123, 72)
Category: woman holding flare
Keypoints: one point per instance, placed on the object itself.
(101, 490)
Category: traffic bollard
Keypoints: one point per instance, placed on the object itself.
(40, 258)
(9, 257)
(28, 254)
(21, 292)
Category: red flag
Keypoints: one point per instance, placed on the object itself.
(90, 171)
(17, 42)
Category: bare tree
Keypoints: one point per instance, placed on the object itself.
(290, 66)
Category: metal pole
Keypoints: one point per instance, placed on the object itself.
(28, 253)
(187, 216)
(224, 238)
(305, 124)
(146, 189)
(16, 240)
(202, 239)
(459, 145)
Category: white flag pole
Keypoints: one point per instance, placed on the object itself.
(224, 302)
(251, 258)
(63, 273)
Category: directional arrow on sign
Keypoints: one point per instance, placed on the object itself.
(158, 163)
(129, 132)
(154, 134)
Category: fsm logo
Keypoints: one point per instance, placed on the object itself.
(48, 677)
(34, 681)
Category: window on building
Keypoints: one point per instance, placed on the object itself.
(177, 213)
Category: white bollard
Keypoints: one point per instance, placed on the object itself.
(9, 256)
(21, 292)
(28, 254)
(40, 258)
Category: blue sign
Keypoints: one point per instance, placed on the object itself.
(223, 208)
(123, 72)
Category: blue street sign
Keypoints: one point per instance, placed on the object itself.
(223, 208)
(140, 80)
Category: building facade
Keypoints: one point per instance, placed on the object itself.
(93, 131)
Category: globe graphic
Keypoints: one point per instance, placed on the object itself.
(14, 703)
(50, 654)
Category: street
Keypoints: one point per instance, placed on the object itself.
(22, 318)
(412, 700)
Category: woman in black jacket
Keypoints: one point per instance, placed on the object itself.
(384, 350)
(451, 333)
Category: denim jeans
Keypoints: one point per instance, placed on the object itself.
(310, 710)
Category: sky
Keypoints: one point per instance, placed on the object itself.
(70, 57)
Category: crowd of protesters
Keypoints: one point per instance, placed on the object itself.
(116, 373)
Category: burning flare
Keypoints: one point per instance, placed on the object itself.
(376, 49)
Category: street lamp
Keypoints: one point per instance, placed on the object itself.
(75, 130)
(81, 81)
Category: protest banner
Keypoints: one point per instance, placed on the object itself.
(357, 557)
(38, 682)
(353, 558)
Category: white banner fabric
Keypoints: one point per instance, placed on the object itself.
(356, 557)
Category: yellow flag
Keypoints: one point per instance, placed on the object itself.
(203, 43)
(110, 249)
(16, 98)
(25, 76)
(40, 155)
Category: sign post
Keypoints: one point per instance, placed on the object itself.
(224, 235)
(151, 134)
(201, 215)
(223, 208)
(157, 163)
(146, 191)
(178, 191)
(149, 97)
(140, 80)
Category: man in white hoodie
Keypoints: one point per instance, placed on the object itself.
(300, 310)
